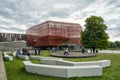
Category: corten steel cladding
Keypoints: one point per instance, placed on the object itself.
(53, 33)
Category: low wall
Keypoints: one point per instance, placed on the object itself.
(15, 45)
(109, 51)
(63, 71)
(42, 58)
(102, 63)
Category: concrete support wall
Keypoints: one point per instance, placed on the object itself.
(12, 45)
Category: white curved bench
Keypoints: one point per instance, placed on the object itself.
(24, 57)
(14, 53)
(7, 57)
(63, 71)
(43, 58)
(102, 63)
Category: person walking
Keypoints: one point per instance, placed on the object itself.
(66, 51)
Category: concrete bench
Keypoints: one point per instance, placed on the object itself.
(63, 71)
(14, 53)
(32, 52)
(35, 57)
(102, 63)
(7, 57)
(44, 58)
(24, 57)
(50, 61)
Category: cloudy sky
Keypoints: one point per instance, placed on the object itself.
(18, 15)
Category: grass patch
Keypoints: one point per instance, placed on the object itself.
(15, 69)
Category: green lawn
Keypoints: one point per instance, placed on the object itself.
(15, 69)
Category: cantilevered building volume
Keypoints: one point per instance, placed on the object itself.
(53, 34)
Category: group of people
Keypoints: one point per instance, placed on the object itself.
(37, 51)
(24, 52)
(88, 51)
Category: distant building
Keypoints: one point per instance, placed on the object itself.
(53, 34)
(12, 41)
(6, 37)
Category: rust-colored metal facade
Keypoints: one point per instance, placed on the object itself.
(53, 33)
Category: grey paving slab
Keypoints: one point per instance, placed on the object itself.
(2, 69)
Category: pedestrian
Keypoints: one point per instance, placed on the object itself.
(24, 51)
(96, 51)
(36, 51)
(18, 53)
(27, 53)
(66, 51)
(39, 51)
(83, 50)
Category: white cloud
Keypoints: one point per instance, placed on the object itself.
(101, 8)
(62, 6)
(9, 11)
(17, 16)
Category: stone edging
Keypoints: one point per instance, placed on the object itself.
(3, 75)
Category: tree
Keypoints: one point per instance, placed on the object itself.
(112, 45)
(94, 35)
(117, 44)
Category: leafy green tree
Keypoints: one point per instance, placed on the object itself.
(94, 35)
(117, 44)
(112, 45)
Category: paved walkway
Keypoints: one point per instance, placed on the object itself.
(2, 69)
(73, 55)
(110, 51)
